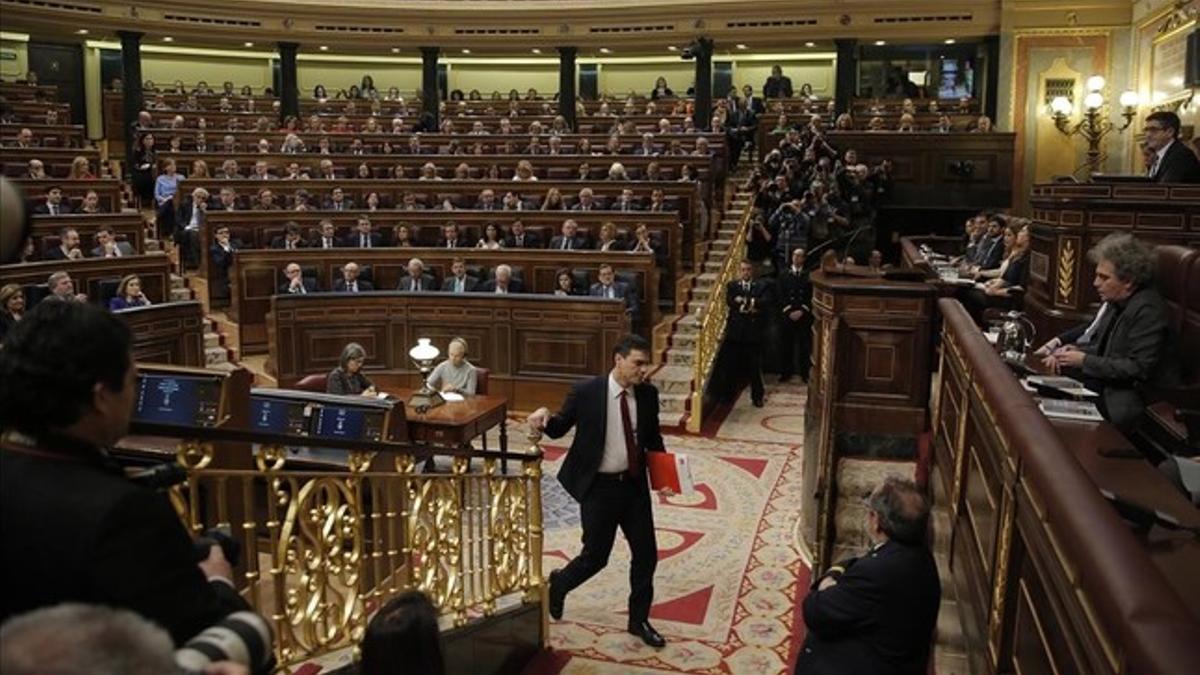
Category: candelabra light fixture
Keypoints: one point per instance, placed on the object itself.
(1095, 123)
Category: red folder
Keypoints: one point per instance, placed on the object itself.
(670, 470)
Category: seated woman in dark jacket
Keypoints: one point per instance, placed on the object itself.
(129, 294)
(347, 378)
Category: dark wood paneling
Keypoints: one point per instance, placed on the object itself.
(154, 270)
(127, 226)
(257, 274)
(171, 333)
(535, 347)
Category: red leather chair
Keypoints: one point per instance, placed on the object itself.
(1176, 418)
(481, 380)
(315, 383)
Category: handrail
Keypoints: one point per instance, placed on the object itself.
(712, 325)
(324, 545)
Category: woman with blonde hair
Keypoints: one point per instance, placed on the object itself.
(81, 169)
(12, 306)
(199, 169)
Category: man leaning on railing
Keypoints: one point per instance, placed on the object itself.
(75, 528)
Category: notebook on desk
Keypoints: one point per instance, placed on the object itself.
(1071, 410)
(1059, 384)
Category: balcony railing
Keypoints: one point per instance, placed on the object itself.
(325, 544)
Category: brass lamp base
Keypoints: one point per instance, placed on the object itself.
(425, 399)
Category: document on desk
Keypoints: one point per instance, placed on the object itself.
(452, 396)
(1067, 385)
(1071, 410)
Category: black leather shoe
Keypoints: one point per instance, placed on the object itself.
(647, 633)
(557, 597)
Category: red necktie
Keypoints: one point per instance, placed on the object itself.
(631, 452)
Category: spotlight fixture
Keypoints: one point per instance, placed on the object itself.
(672, 48)
(395, 50)
(248, 44)
(168, 39)
(810, 44)
(880, 43)
(466, 51)
(82, 31)
(324, 48)
(741, 46)
(535, 50)
(605, 50)
(948, 41)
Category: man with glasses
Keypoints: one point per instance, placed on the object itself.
(1173, 161)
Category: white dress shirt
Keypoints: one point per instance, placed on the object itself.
(616, 457)
(1158, 159)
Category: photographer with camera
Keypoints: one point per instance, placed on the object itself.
(75, 528)
(789, 230)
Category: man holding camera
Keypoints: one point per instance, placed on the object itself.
(75, 528)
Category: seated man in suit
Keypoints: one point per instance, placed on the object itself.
(68, 248)
(417, 281)
(450, 237)
(1132, 351)
(989, 252)
(458, 281)
(519, 238)
(569, 240)
(326, 237)
(609, 287)
(296, 283)
(107, 245)
(627, 202)
(364, 235)
(221, 255)
(487, 200)
(350, 283)
(502, 284)
(587, 201)
(227, 200)
(62, 287)
(54, 204)
(1173, 161)
(290, 239)
(877, 613)
(66, 395)
(266, 201)
(338, 201)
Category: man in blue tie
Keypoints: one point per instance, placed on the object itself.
(459, 282)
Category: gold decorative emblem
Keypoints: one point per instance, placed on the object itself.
(1066, 270)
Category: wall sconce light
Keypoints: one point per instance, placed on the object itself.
(1095, 124)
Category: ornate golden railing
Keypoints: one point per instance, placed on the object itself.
(712, 322)
(323, 548)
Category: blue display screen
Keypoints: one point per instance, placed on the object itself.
(339, 422)
(271, 414)
(173, 399)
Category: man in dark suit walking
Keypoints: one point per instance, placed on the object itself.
(615, 417)
(76, 528)
(795, 319)
(747, 299)
(1173, 161)
(876, 614)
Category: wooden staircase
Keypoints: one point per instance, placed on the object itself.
(675, 337)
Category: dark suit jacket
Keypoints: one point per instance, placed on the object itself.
(183, 216)
(354, 240)
(220, 258)
(279, 242)
(879, 617)
(310, 286)
(1178, 165)
(87, 534)
(63, 207)
(55, 253)
(746, 327)
(123, 246)
(586, 409)
(427, 284)
(577, 243)
(347, 205)
(991, 252)
(529, 240)
(620, 289)
(315, 242)
(457, 243)
(339, 286)
(469, 284)
(1133, 352)
(795, 292)
(489, 286)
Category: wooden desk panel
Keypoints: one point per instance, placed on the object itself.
(154, 270)
(257, 274)
(171, 332)
(128, 226)
(50, 135)
(535, 347)
(1048, 575)
(108, 189)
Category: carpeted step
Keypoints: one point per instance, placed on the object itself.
(181, 294)
(211, 340)
(672, 402)
(678, 356)
(215, 355)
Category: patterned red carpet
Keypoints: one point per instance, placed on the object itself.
(729, 571)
